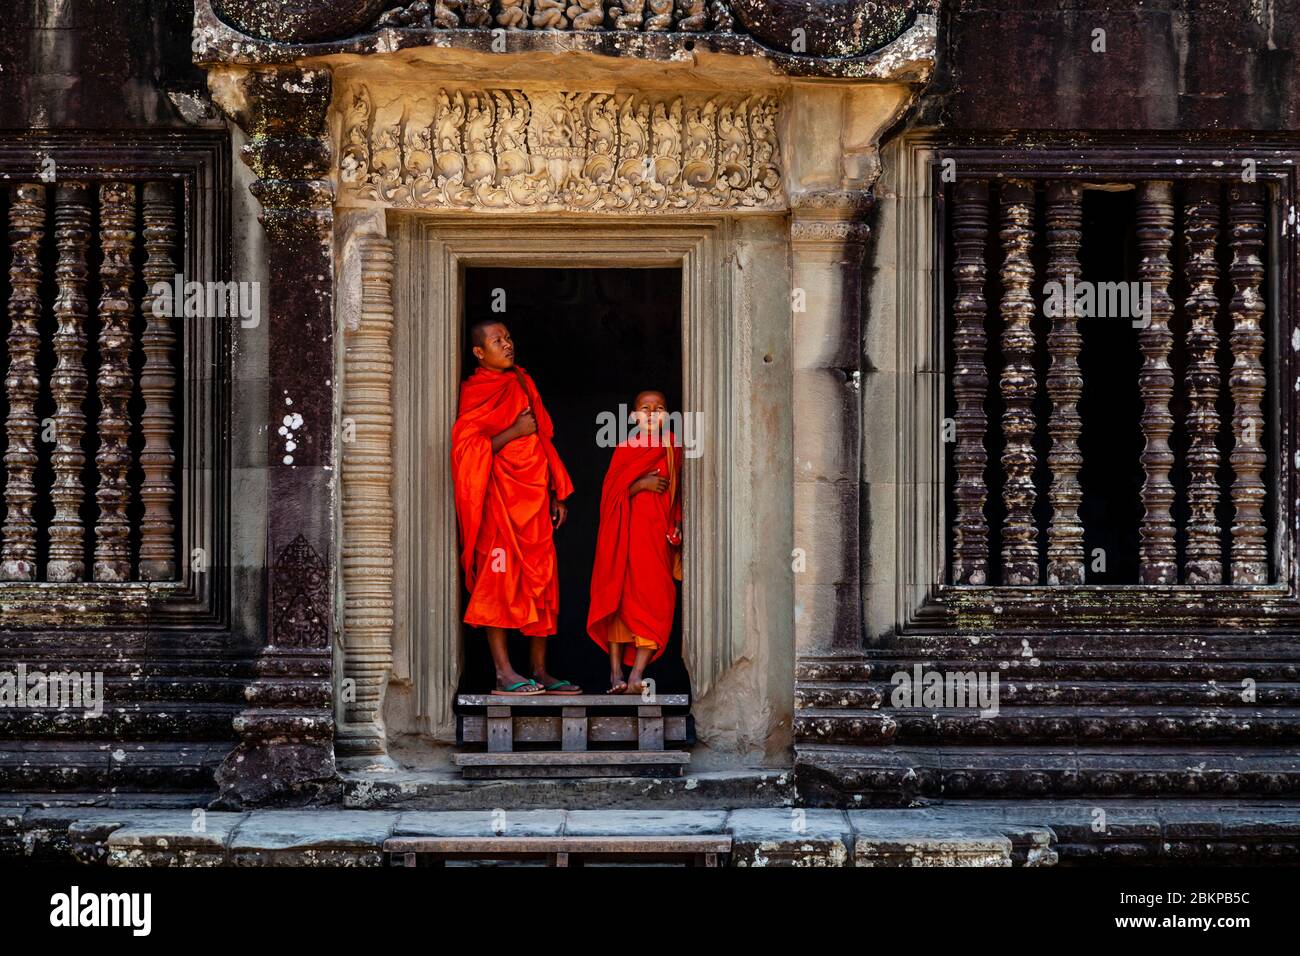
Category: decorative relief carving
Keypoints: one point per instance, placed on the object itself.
(683, 16)
(508, 150)
(300, 593)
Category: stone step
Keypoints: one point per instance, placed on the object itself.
(1110, 664)
(836, 775)
(871, 695)
(55, 765)
(1049, 724)
(439, 790)
(952, 833)
(123, 721)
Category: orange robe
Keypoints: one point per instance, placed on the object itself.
(632, 591)
(503, 505)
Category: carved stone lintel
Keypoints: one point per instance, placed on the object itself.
(970, 382)
(22, 382)
(1019, 531)
(507, 150)
(367, 478)
(1065, 387)
(830, 28)
(1155, 218)
(1247, 383)
(298, 21)
(1204, 564)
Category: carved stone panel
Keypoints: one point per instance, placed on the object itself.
(510, 150)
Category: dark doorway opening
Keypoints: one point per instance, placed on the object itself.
(591, 339)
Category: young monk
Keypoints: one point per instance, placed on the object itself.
(510, 487)
(638, 555)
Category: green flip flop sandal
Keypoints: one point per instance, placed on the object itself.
(513, 690)
(563, 688)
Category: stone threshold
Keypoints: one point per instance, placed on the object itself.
(448, 790)
(954, 834)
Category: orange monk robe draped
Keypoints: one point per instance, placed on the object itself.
(503, 504)
(632, 579)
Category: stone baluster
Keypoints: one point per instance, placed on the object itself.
(113, 459)
(1019, 532)
(1157, 557)
(22, 382)
(1064, 387)
(157, 384)
(970, 382)
(1203, 564)
(1246, 381)
(69, 382)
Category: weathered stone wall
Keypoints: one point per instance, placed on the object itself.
(95, 64)
(1167, 65)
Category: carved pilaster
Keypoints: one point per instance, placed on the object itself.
(970, 382)
(828, 235)
(1019, 533)
(286, 754)
(22, 382)
(1204, 564)
(1064, 387)
(157, 384)
(113, 459)
(368, 505)
(1157, 558)
(1246, 381)
(69, 382)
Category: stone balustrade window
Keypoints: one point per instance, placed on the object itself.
(1115, 339)
(111, 405)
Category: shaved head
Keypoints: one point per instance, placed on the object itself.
(478, 332)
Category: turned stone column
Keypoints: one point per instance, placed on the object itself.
(285, 755)
(368, 507)
(828, 239)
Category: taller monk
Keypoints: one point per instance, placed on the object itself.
(510, 487)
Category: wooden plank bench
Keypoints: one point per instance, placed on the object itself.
(695, 849)
(508, 721)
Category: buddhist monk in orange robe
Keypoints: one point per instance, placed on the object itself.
(510, 487)
(638, 557)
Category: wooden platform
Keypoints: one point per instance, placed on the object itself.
(574, 723)
(574, 700)
(587, 763)
(697, 850)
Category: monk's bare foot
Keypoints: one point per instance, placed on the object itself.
(616, 683)
(635, 685)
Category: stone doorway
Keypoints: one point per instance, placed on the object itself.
(591, 339)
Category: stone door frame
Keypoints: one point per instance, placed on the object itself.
(432, 254)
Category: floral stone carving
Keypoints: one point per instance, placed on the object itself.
(506, 149)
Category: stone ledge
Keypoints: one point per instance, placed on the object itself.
(961, 833)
